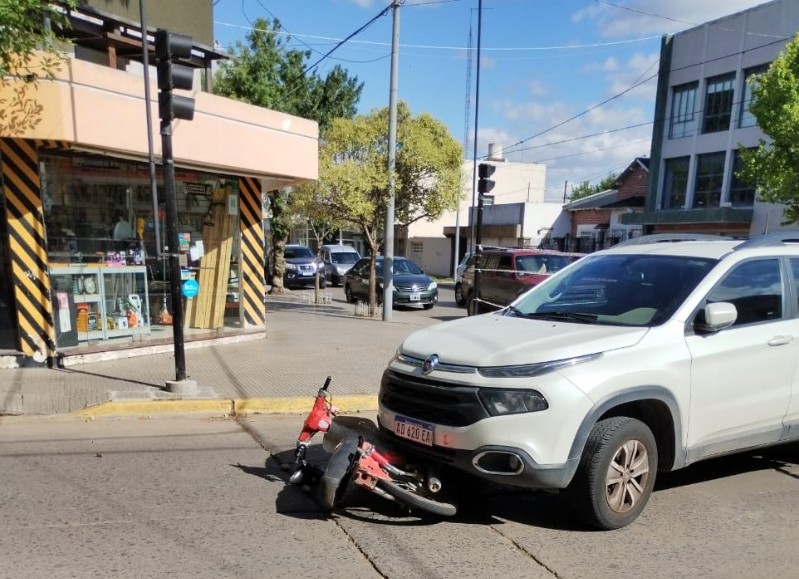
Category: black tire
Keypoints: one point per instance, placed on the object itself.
(616, 473)
(322, 283)
(348, 294)
(413, 500)
(428, 306)
(460, 299)
(338, 474)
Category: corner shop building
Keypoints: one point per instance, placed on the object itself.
(80, 166)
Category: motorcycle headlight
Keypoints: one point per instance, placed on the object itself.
(290, 267)
(502, 402)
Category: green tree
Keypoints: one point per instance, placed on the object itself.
(585, 189)
(773, 167)
(28, 52)
(265, 72)
(353, 174)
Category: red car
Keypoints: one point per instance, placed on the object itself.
(505, 274)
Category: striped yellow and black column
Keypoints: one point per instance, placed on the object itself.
(251, 276)
(27, 247)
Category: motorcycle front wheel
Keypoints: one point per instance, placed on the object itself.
(338, 473)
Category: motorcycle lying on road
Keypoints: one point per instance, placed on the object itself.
(358, 460)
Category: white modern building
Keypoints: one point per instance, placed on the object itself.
(702, 119)
(519, 216)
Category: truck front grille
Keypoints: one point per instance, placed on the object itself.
(430, 400)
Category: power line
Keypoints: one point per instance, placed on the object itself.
(585, 112)
(380, 14)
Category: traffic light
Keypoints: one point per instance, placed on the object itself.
(484, 183)
(169, 48)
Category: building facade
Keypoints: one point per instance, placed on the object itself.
(702, 119)
(83, 226)
(596, 220)
(518, 217)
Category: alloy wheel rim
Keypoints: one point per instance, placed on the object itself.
(627, 476)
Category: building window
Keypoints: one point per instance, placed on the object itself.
(683, 114)
(742, 194)
(709, 177)
(718, 103)
(417, 252)
(746, 118)
(676, 183)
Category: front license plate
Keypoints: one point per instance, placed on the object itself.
(415, 297)
(414, 430)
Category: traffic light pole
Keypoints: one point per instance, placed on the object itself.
(173, 245)
(478, 266)
(169, 48)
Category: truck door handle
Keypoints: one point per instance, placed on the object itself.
(780, 340)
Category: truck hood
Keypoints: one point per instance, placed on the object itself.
(495, 340)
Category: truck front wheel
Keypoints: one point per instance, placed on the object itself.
(616, 473)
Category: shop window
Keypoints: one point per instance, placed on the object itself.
(742, 194)
(709, 178)
(746, 118)
(683, 113)
(675, 184)
(718, 103)
(99, 214)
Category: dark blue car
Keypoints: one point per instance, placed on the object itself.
(301, 267)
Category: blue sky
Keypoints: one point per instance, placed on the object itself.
(543, 62)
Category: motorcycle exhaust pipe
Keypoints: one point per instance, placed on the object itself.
(434, 484)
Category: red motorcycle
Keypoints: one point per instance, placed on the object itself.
(356, 459)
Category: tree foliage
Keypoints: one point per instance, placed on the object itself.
(265, 72)
(585, 189)
(773, 167)
(354, 180)
(28, 52)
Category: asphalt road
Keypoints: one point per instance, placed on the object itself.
(202, 498)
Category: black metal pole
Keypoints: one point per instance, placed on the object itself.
(478, 240)
(173, 248)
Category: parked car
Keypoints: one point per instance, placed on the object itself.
(505, 274)
(645, 357)
(412, 286)
(338, 260)
(460, 298)
(301, 267)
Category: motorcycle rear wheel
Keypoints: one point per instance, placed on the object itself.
(417, 501)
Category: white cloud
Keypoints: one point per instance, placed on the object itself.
(636, 70)
(608, 144)
(610, 64)
(635, 18)
(537, 88)
(362, 3)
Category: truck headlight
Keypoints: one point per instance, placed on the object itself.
(531, 370)
(502, 402)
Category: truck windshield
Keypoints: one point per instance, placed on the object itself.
(629, 290)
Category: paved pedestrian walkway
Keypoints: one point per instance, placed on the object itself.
(280, 370)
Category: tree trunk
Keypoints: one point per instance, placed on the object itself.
(278, 261)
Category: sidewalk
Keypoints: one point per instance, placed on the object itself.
(279, 371)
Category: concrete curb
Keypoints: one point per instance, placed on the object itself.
(292, 405)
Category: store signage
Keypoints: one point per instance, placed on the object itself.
(190, 288)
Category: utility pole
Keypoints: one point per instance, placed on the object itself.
(388, 253)
(475, 249)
